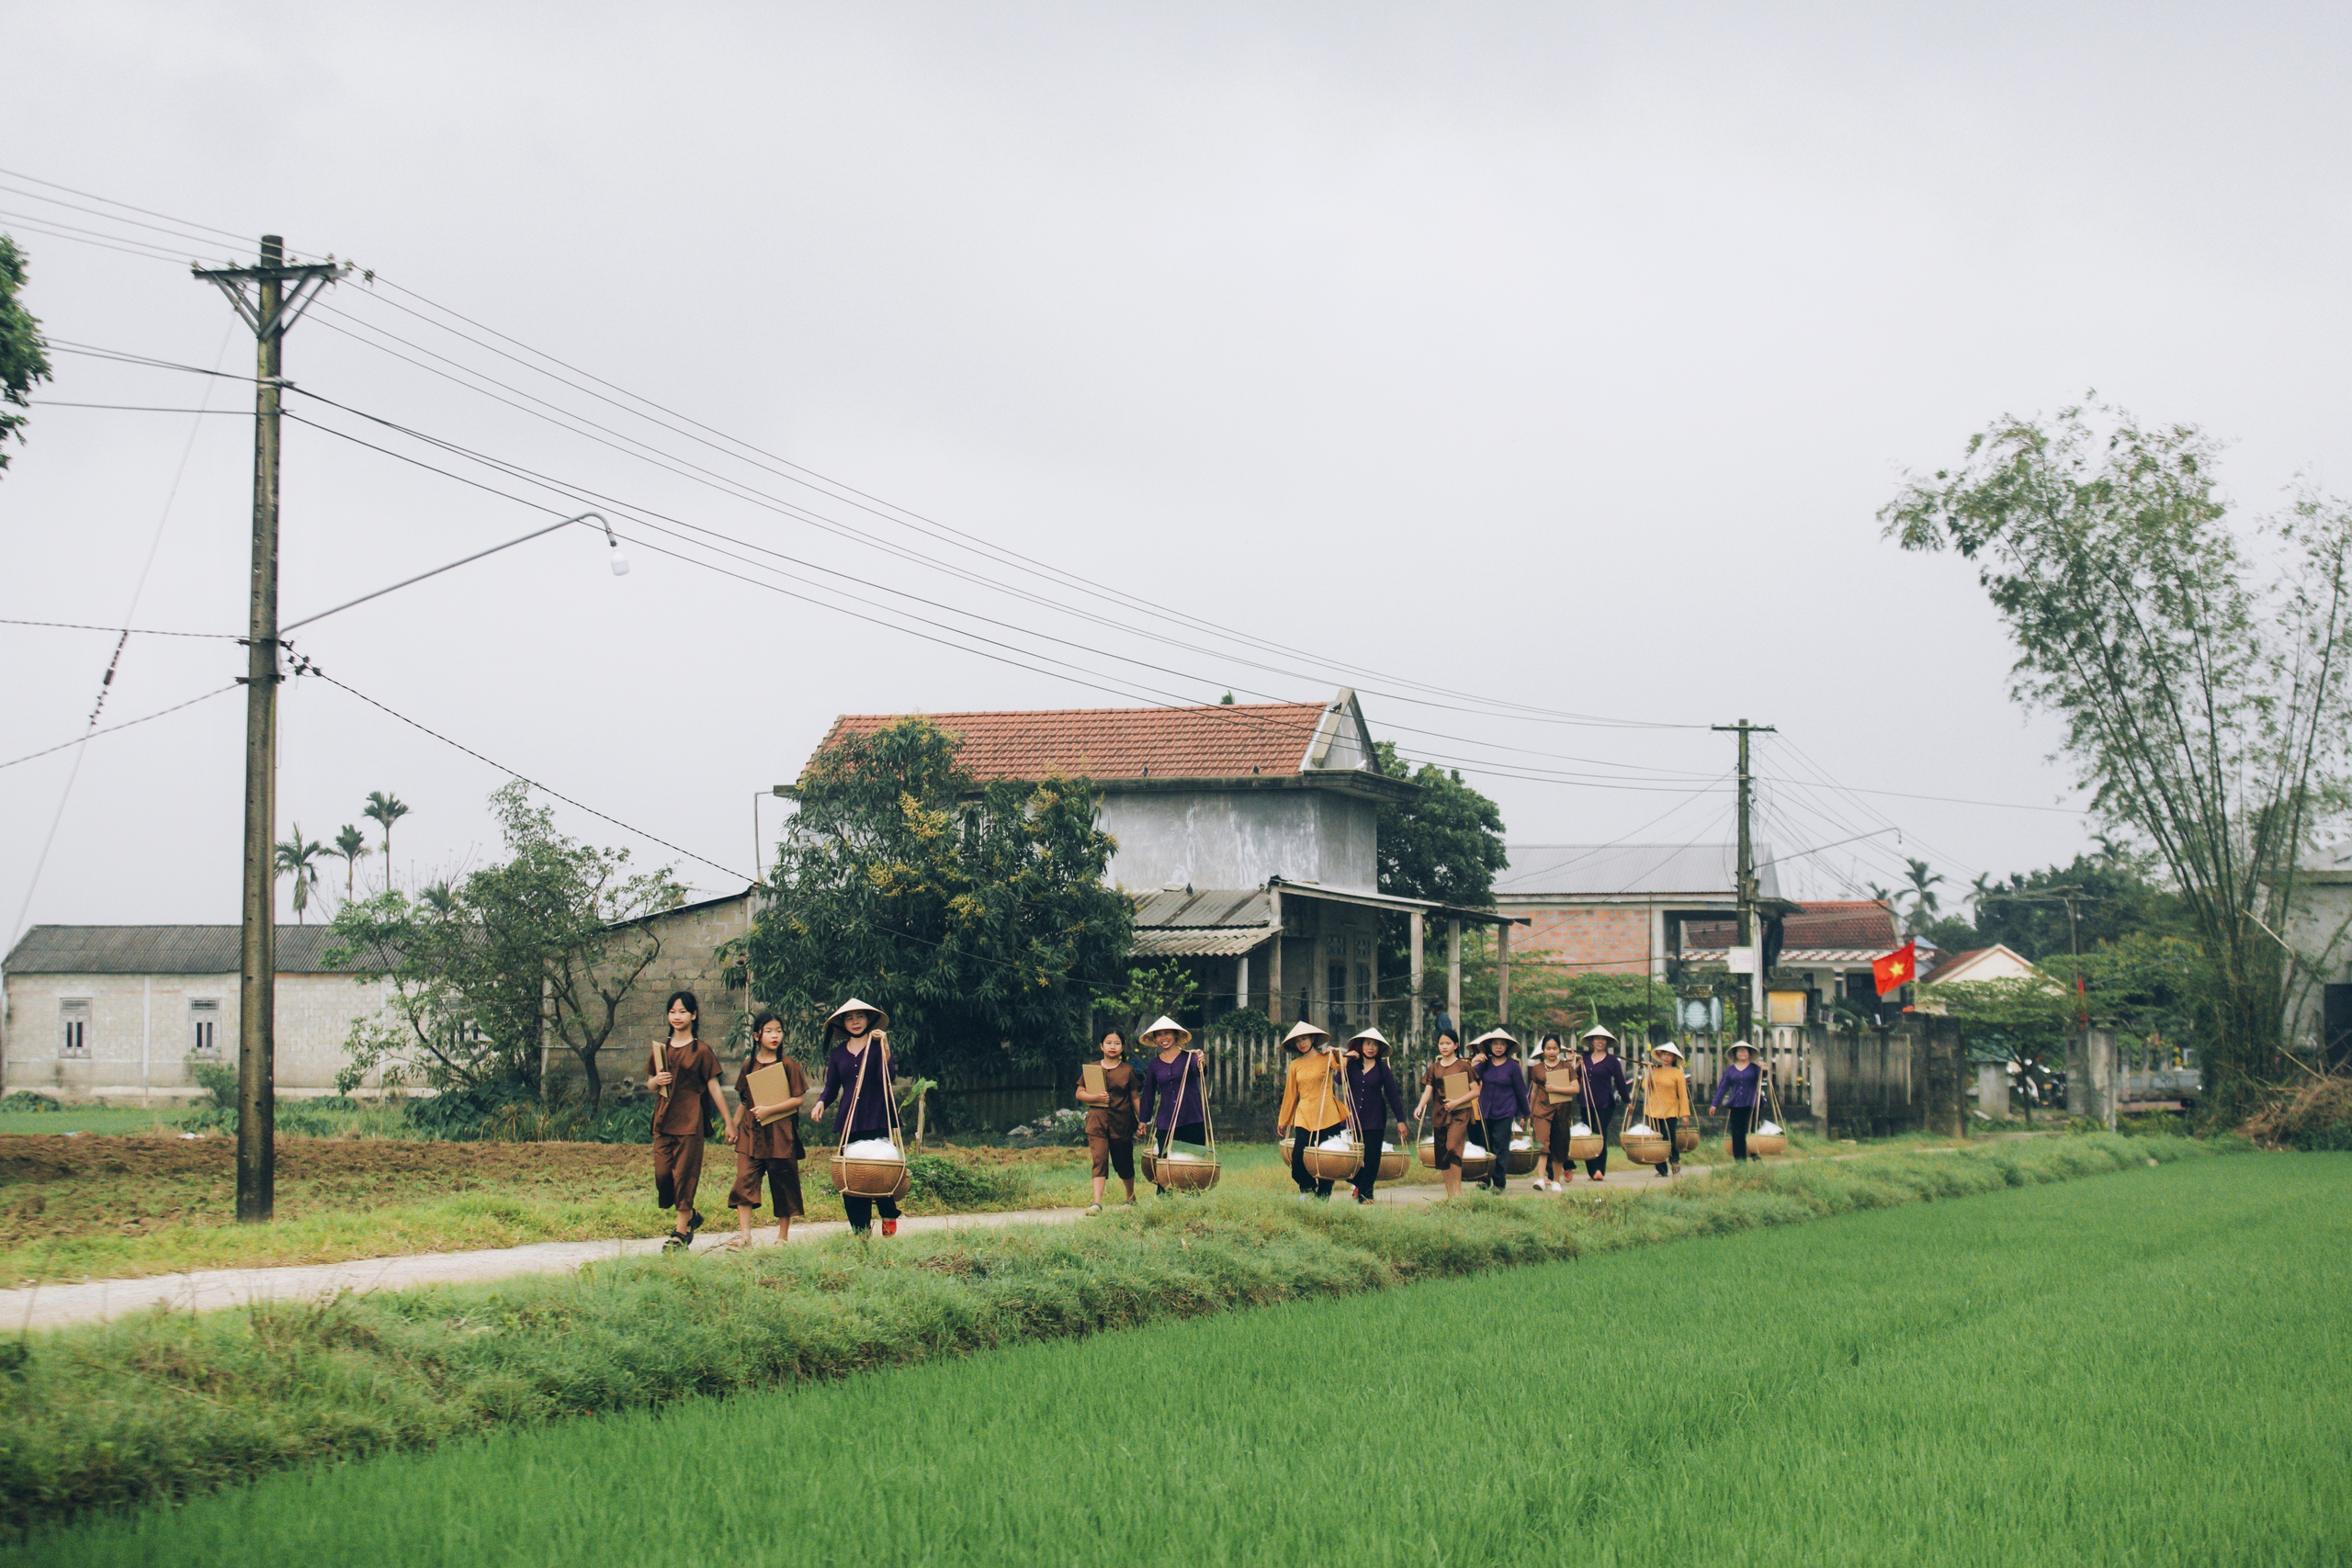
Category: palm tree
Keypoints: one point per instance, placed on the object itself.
(387, 808)
(299, 856)
(1924, 901)
(352, 847)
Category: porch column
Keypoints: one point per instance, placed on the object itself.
(1241, 981)
(1454, 972)
(1414, 1035)
(1502, 976)
(1275, 957)
(1318, 999)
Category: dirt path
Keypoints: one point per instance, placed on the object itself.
(101, 1301)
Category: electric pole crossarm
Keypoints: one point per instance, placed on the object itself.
(297, 287)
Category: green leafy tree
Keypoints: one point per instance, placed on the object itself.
(1148, 994)
(977, 915)
(351, 848)
(2200, 684)
(298, 858)
(24, 358)
(1445, 845)
(542, 946)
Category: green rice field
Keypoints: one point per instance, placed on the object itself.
(2149, 1368)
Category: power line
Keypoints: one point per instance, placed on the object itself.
(649, 517)
(305, 667)
(119, 728)
(110, 201)
(133, 631)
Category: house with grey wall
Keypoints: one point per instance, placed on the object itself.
(1248, 837)
(125, 1013)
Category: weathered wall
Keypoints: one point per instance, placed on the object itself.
(689, 962)
(1239, 838)
(141, 1032)
(1600, 940)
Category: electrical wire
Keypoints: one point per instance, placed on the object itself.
(119, 728)
(648, 518)
(307, 667)
(131, 631)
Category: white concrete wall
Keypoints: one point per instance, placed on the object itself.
(1240, 838)
(140, 1032)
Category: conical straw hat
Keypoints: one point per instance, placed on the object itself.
(1303, 1030)
(1494, 1035)
(1669, 1047)
(881, 1019)
(1596, 1032)
(1164, 1024)
(1368, 1032)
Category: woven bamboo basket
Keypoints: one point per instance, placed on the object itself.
(1392, 1165)
(1652, 1150)
(1478, 1167)
(1769, 1143)
(1686, 1139)
(1586, 1147)
(1181, 1175)
(871, 1177)
(1333, 1164)
(1520, 1161)
(1428, 1153)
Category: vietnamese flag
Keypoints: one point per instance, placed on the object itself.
(1896, 969)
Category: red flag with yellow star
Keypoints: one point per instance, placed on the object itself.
(1897, 969)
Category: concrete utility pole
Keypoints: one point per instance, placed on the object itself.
(278, 294)
(1751, 995)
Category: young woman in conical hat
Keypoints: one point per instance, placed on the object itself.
(1554, 1113)
(1502, 1098)
(1171, 1101)
(1666, 1100)
(1737, 1091)
(1605, 1088)
(1449, 1119)
(1377, 1102)
(1313, 1104)
(857, 1075)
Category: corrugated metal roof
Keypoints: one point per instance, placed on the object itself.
(1212, 907)
(1841, 923)
(1167, 942)
(1607, 870)
(163, 950)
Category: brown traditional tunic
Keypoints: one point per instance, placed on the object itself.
(774, 1151)
(678, 1124)
(1450, 1128)
(1116, 1119)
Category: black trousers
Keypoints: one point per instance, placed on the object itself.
(1369, 1171)
(1299, 1138)
(1742, 1118)
(1600, 1125)
(1497, 1141)
(861, 1210)
(1668, 1126)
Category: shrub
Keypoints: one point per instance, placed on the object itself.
(26, 1099)
(2316, 1114)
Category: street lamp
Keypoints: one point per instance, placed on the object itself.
(620, 566)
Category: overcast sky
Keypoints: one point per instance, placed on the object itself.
(1554, 359)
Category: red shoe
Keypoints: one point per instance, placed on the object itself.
(1600, 1175)
(889, 1227)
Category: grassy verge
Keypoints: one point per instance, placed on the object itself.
(74, 1208)
(165, 1405)
(2071, 1375)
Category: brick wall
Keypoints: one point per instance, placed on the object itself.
(689, 962)
(1594, 940)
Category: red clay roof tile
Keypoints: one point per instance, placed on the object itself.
(1217, 741)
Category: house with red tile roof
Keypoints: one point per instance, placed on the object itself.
(1246, 835)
